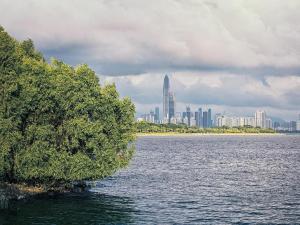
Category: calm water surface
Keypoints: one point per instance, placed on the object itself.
(186, 180)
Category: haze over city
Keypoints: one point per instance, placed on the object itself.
(232, 56)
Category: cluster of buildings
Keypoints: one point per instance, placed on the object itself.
(291, 126)
(259, 119)
(199, 118)
(203, 118)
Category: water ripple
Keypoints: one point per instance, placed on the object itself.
(187, 180)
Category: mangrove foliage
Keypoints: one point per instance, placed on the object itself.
(57, 124)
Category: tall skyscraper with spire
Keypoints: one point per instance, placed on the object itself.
(166, 90)
(168, 101)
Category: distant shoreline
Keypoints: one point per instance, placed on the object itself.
(205, 134)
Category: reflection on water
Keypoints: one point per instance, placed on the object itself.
(3, 200)
(69, 209)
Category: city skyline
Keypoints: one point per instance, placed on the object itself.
(204, 119)
(166, 94)
(194, 91)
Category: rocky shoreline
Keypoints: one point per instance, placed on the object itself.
(16, 192)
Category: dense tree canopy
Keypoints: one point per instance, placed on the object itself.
(57, 124)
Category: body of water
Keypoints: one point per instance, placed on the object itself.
(186, 180)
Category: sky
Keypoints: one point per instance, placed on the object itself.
(235, 56)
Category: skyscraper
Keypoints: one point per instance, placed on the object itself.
(188, 115)
(260, 119)
(292, 126)
(156, 114)
(168, 101)
(209, 121)
(171, 105)
(198, 117)
(269, 123)
(217, 120)
(152, 116)
(205, 119)
(298, 123)
(166, 90)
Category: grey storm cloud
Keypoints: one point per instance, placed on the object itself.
(131, 36)
(224, 53)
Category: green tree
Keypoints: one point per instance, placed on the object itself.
(57, 124)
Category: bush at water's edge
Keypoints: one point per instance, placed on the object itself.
(57, 124)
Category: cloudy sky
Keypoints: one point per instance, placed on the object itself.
(235, 56)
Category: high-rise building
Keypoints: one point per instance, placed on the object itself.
(171, 105)
(193, 122)
(147, 117)
(152, 115)
(156, 115)
(249, 121)
(209, 121)
(260, 119)
(292, 126)
(269, 123)
(198, 117)
(298, 125)
(205, 119)
(188, 115)
(235, 121)
(185, 121)
(168, 101)
(216, 119)
(166, 90)
(178, 118)
(276, 125)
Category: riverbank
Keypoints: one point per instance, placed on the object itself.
(15, 192)
(10, 192)
(204, 134)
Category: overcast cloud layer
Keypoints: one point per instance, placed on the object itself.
(232, 55)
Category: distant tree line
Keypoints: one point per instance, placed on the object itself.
(146, 127)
